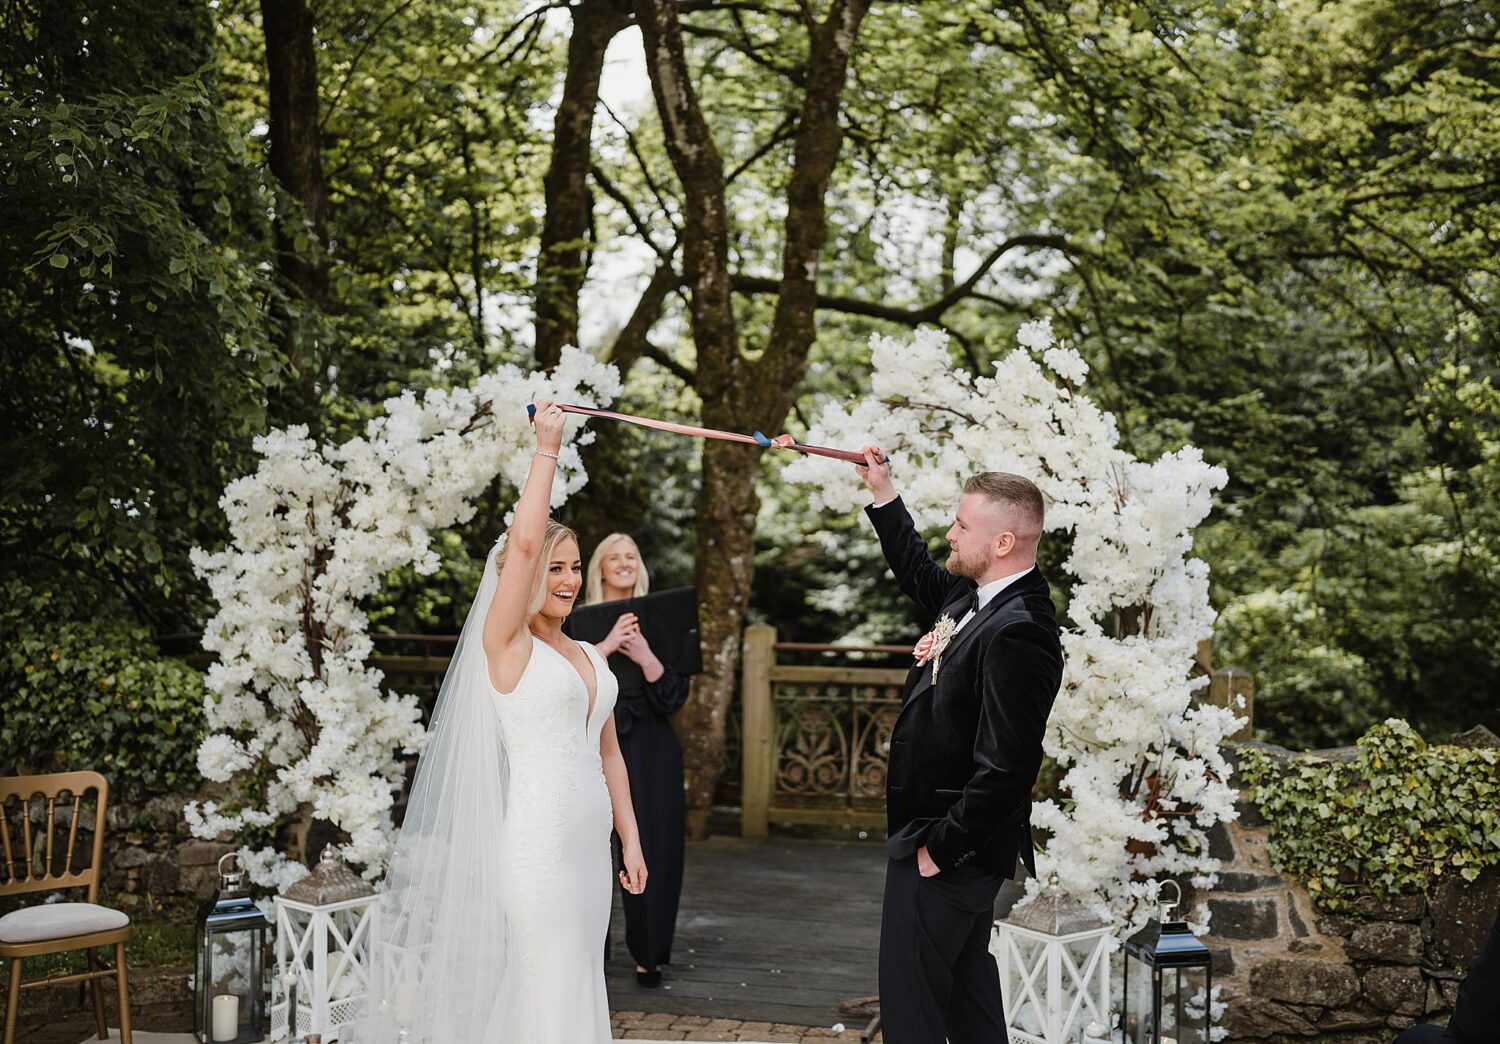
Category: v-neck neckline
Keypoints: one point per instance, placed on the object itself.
(592, 692)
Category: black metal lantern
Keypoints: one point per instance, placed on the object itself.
(1168, 983)
(229, 998)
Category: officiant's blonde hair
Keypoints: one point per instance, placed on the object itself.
(594, 575)
(556, 534)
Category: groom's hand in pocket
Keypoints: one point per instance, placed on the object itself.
(925, 866)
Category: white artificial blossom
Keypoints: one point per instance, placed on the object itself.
(1144, 776)
(297, 719)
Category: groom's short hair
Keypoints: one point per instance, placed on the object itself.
(1013, 491)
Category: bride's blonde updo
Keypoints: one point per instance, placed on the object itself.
(556, 534)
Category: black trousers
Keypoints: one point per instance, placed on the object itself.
(938, 981)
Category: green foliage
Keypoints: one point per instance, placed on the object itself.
(86, 691)
(136, 360)
(1397, 819)
(434, 157)
(1269, 236)
(1310, 691)
(1389, 608)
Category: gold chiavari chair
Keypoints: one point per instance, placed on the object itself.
(34, 862)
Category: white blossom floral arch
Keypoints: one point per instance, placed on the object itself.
(296, 716)
(1143, 771)
(298, 720)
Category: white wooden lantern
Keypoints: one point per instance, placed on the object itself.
(325, 924)
(1053, 955)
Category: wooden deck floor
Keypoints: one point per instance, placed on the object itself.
(774, 931)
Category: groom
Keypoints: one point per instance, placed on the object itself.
(965, 752)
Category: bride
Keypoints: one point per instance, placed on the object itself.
(498, 894)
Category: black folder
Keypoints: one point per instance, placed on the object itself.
(669, 621)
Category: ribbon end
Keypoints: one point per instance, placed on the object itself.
(531, 411)
(779, 442)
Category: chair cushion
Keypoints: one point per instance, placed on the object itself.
(58, 921)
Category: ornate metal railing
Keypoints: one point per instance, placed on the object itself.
(815, 738)
(807, 738)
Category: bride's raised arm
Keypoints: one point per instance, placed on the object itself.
(505, 622)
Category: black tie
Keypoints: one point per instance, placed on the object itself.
(970, 604)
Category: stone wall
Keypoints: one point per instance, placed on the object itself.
(149, 852)
(1290, 972)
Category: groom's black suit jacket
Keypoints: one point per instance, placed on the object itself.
(965, 753)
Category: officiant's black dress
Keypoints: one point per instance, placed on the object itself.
(653, 760)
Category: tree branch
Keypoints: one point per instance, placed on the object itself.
(631, 343)
(930, 313)
(666, 362)
(561, 260)
(642, 229)
(532, 21)
(640, 160)
(782, 133)
(819, 140)
(698, 6)
(1420, 190)
(695, 158)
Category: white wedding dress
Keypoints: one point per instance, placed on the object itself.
(556, 853)
(497, 891)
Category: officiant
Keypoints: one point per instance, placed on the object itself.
(617, 616)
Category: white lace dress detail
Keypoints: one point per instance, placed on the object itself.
(556, 853)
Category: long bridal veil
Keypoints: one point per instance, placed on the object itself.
(441, 951)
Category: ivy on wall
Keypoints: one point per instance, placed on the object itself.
(1398, 818)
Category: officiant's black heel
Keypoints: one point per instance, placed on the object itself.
(649, 979)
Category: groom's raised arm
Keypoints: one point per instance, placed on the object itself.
(921, 579)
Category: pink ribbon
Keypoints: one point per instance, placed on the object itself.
(757, 439)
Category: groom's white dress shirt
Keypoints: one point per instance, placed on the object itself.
(989, 591)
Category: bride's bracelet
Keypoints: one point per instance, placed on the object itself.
(544, 453)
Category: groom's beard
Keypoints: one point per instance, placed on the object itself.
(958, 567)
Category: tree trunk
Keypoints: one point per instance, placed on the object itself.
(726, 498)
(561, 262)
(733, 391)
(617, 499)
(727, 505)
(297, 162)
(819, 140)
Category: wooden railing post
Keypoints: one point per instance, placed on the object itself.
(1225, 686)
(756, 746)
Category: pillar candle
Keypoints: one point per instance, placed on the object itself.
(226, 1016)
(408, 1001)
(289, 986)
